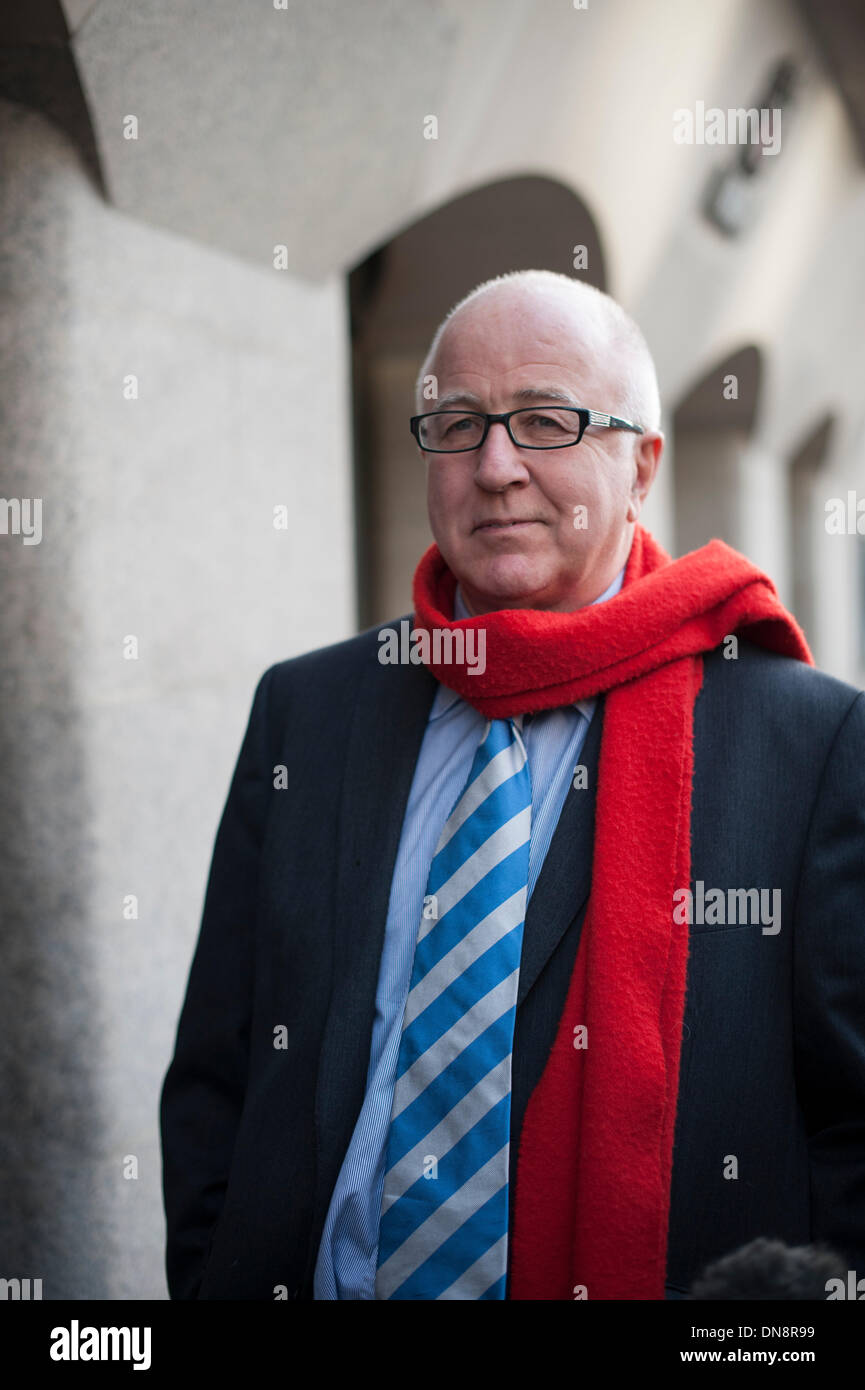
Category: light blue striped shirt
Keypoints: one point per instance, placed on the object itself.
(347, 1256)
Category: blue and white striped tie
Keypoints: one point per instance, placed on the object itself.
(444, 1221)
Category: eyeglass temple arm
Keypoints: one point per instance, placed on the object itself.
(598, 417)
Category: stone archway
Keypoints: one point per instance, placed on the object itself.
(712, 429)
(806, 518)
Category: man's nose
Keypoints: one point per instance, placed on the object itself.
(499, 461)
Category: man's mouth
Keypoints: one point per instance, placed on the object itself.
(517, 522)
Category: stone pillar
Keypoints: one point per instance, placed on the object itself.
(160, 400)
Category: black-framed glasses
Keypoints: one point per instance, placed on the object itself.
(531, 427)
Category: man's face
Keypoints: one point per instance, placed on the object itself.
(503, 517)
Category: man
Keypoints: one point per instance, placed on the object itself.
(542, 976)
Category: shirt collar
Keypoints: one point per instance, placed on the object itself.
(446, 698)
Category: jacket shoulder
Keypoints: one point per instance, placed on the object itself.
(770, 686)
(333, 661)
(322, 683)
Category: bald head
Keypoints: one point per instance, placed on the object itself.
(589, 324)
(539, 526)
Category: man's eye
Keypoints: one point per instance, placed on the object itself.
(464, 422)
(545, 422)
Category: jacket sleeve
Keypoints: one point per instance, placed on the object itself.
(829, 994)
(203, 1091)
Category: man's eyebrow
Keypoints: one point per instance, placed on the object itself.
(544, 393)
(459, 398)
(526, 393)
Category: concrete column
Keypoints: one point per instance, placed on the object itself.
(160, 400)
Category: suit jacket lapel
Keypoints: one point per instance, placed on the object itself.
(565, 878)
(560, 895)
(390, 717)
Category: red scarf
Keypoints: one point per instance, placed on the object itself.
(596, 1151)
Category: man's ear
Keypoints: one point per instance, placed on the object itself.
(647, 456)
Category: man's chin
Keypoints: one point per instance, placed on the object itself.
(509, 581)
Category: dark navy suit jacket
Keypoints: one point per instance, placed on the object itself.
(773, 1051)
